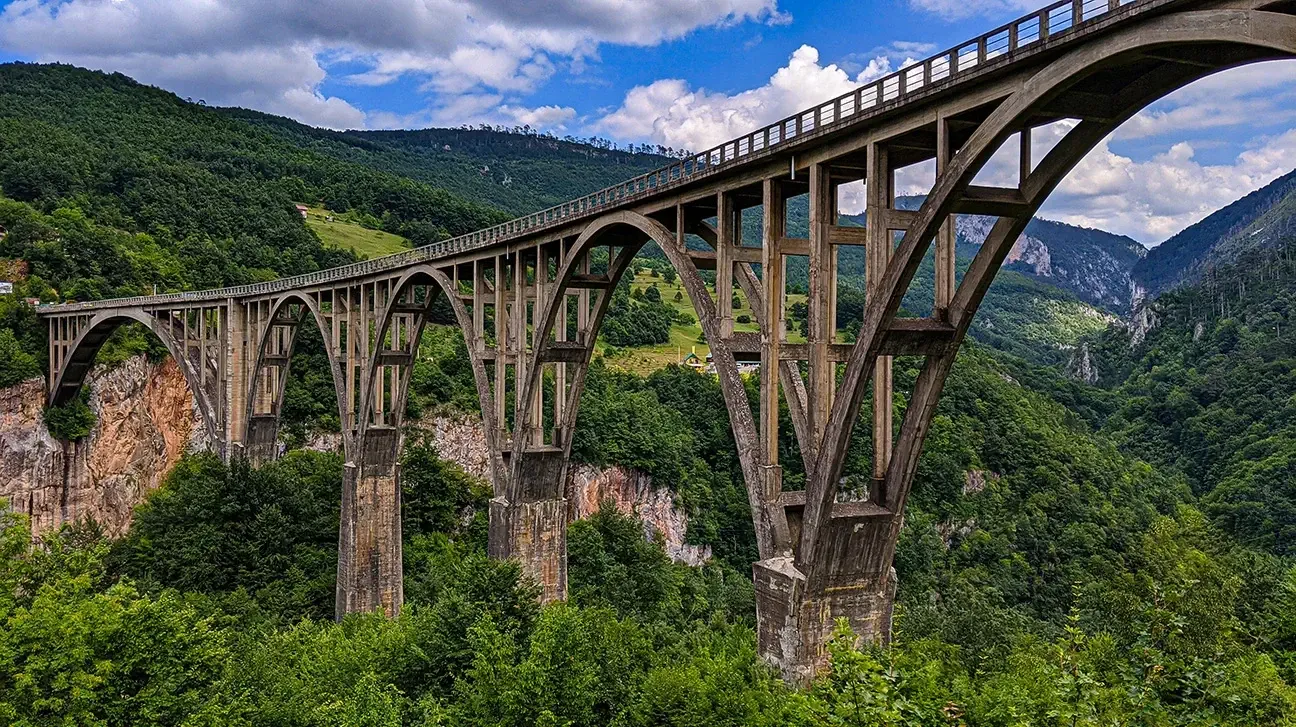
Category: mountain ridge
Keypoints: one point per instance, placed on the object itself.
(1221, 237)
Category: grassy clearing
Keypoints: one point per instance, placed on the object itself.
(684, 338)
(349, 236)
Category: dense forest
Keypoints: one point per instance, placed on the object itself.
(1080, 586)
(1117, 553)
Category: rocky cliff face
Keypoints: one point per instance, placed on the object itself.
(461, 440)
(146, 421)
(633, 493)
(1093, 264)
(1081, 366)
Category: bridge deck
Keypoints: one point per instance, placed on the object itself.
(1001, 51)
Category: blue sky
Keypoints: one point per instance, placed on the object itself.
(683, 73)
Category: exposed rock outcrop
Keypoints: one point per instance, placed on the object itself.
(633, 493)
(1081, 366)
(461, 440)
(1143, 320)
(146, 421)
(975, 481)
(1030, 251)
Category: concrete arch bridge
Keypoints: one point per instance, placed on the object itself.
(530, 303)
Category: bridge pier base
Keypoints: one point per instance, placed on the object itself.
(369, 575)
(531, 525)
(796, 610)
(261, 444)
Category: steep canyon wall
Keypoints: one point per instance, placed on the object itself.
(147, 420)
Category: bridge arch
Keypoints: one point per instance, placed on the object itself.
(1216, 41)
(637, 230)
(273, 349)
(436, 282)
(92, 335)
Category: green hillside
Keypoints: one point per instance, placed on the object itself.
(1071, 555)
(204, 187)
(516, 172)
(346, 233)
(1211, 392)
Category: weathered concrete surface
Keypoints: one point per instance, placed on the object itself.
(795, 620)
(369, 548)
(535, 535)
(146, 421)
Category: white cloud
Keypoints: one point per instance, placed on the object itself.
(671, 113)
(1152, 200)
(276, 80)
(478, 108)
(1258, 93)
(216, 49)
(543, 117)
(880, 61)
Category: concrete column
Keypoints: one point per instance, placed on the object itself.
(797, 608)
(369, 574)
(261, 439)
(529, 523)
(235, 370)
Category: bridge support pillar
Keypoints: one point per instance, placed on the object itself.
(798, 605)
(261, 441)
(529, 524)
(369, 540)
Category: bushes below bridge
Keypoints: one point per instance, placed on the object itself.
(1168, 638)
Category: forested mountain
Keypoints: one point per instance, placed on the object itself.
(1261, 219)
(517, 172)
(144, 160)
(1210, 391)
(1072, 555)
(1093, 264)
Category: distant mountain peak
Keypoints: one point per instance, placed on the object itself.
(1259, 220)
(1093, 264)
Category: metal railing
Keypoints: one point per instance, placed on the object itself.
(884, 93)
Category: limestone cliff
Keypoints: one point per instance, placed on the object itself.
(146, 421)
(633, 493)
(461, 440)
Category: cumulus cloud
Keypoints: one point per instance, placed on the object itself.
(276, 80)
(453, 47)
(1259, 93)
(671, 113)
(1153, 199)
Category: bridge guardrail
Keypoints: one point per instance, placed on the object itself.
(1046, 23)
